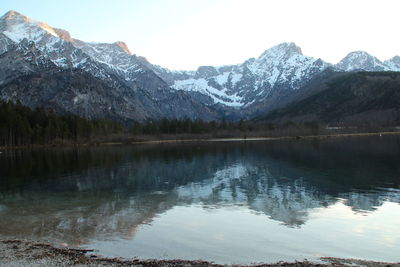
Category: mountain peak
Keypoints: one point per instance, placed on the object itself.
(289, 46)
(124, 46)
(360, 56)
(359, 53)
(17, 26)
(395, 59)
(13, 15)
(361, 60)
(283, 50)
(393, 63)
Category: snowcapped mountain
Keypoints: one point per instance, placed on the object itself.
(66, 52)
(30, 47)
(282, 66)
(54, 44)
(360, 60)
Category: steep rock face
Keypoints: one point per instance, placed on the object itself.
(282, 66)
(21, 59)
(5, 43)
(36, 81)
(115, 55)
(71, 92)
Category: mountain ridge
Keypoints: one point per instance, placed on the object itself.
(131, 80)
(210, 92)
(65, 35)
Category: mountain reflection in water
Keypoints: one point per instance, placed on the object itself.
(77, 195)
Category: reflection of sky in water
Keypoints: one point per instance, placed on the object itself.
(229, 202)
(238, 235)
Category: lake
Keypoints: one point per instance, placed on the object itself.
(227, 202)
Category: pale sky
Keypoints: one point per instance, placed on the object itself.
(185, 34)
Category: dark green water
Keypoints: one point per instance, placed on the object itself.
(228, 202)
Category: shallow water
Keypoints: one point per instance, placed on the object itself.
(228, 202)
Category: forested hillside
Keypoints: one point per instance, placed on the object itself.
(355, 99)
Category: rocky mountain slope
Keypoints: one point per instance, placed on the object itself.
(30, 47)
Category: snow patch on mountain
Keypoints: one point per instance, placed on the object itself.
(222, 78)
(235, 78)
(115, 55)
(17, 27)
(241, 85)
(201, 86)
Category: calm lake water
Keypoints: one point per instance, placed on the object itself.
(228, 202)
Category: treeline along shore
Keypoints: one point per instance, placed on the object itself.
(21, 126)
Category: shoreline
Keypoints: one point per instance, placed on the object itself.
(249, 139)
(207, 139)
(34, 253)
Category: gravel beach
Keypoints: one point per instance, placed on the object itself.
(18, 253)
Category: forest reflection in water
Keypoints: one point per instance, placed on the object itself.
(88, 195)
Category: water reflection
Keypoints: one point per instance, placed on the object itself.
(77, 195)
